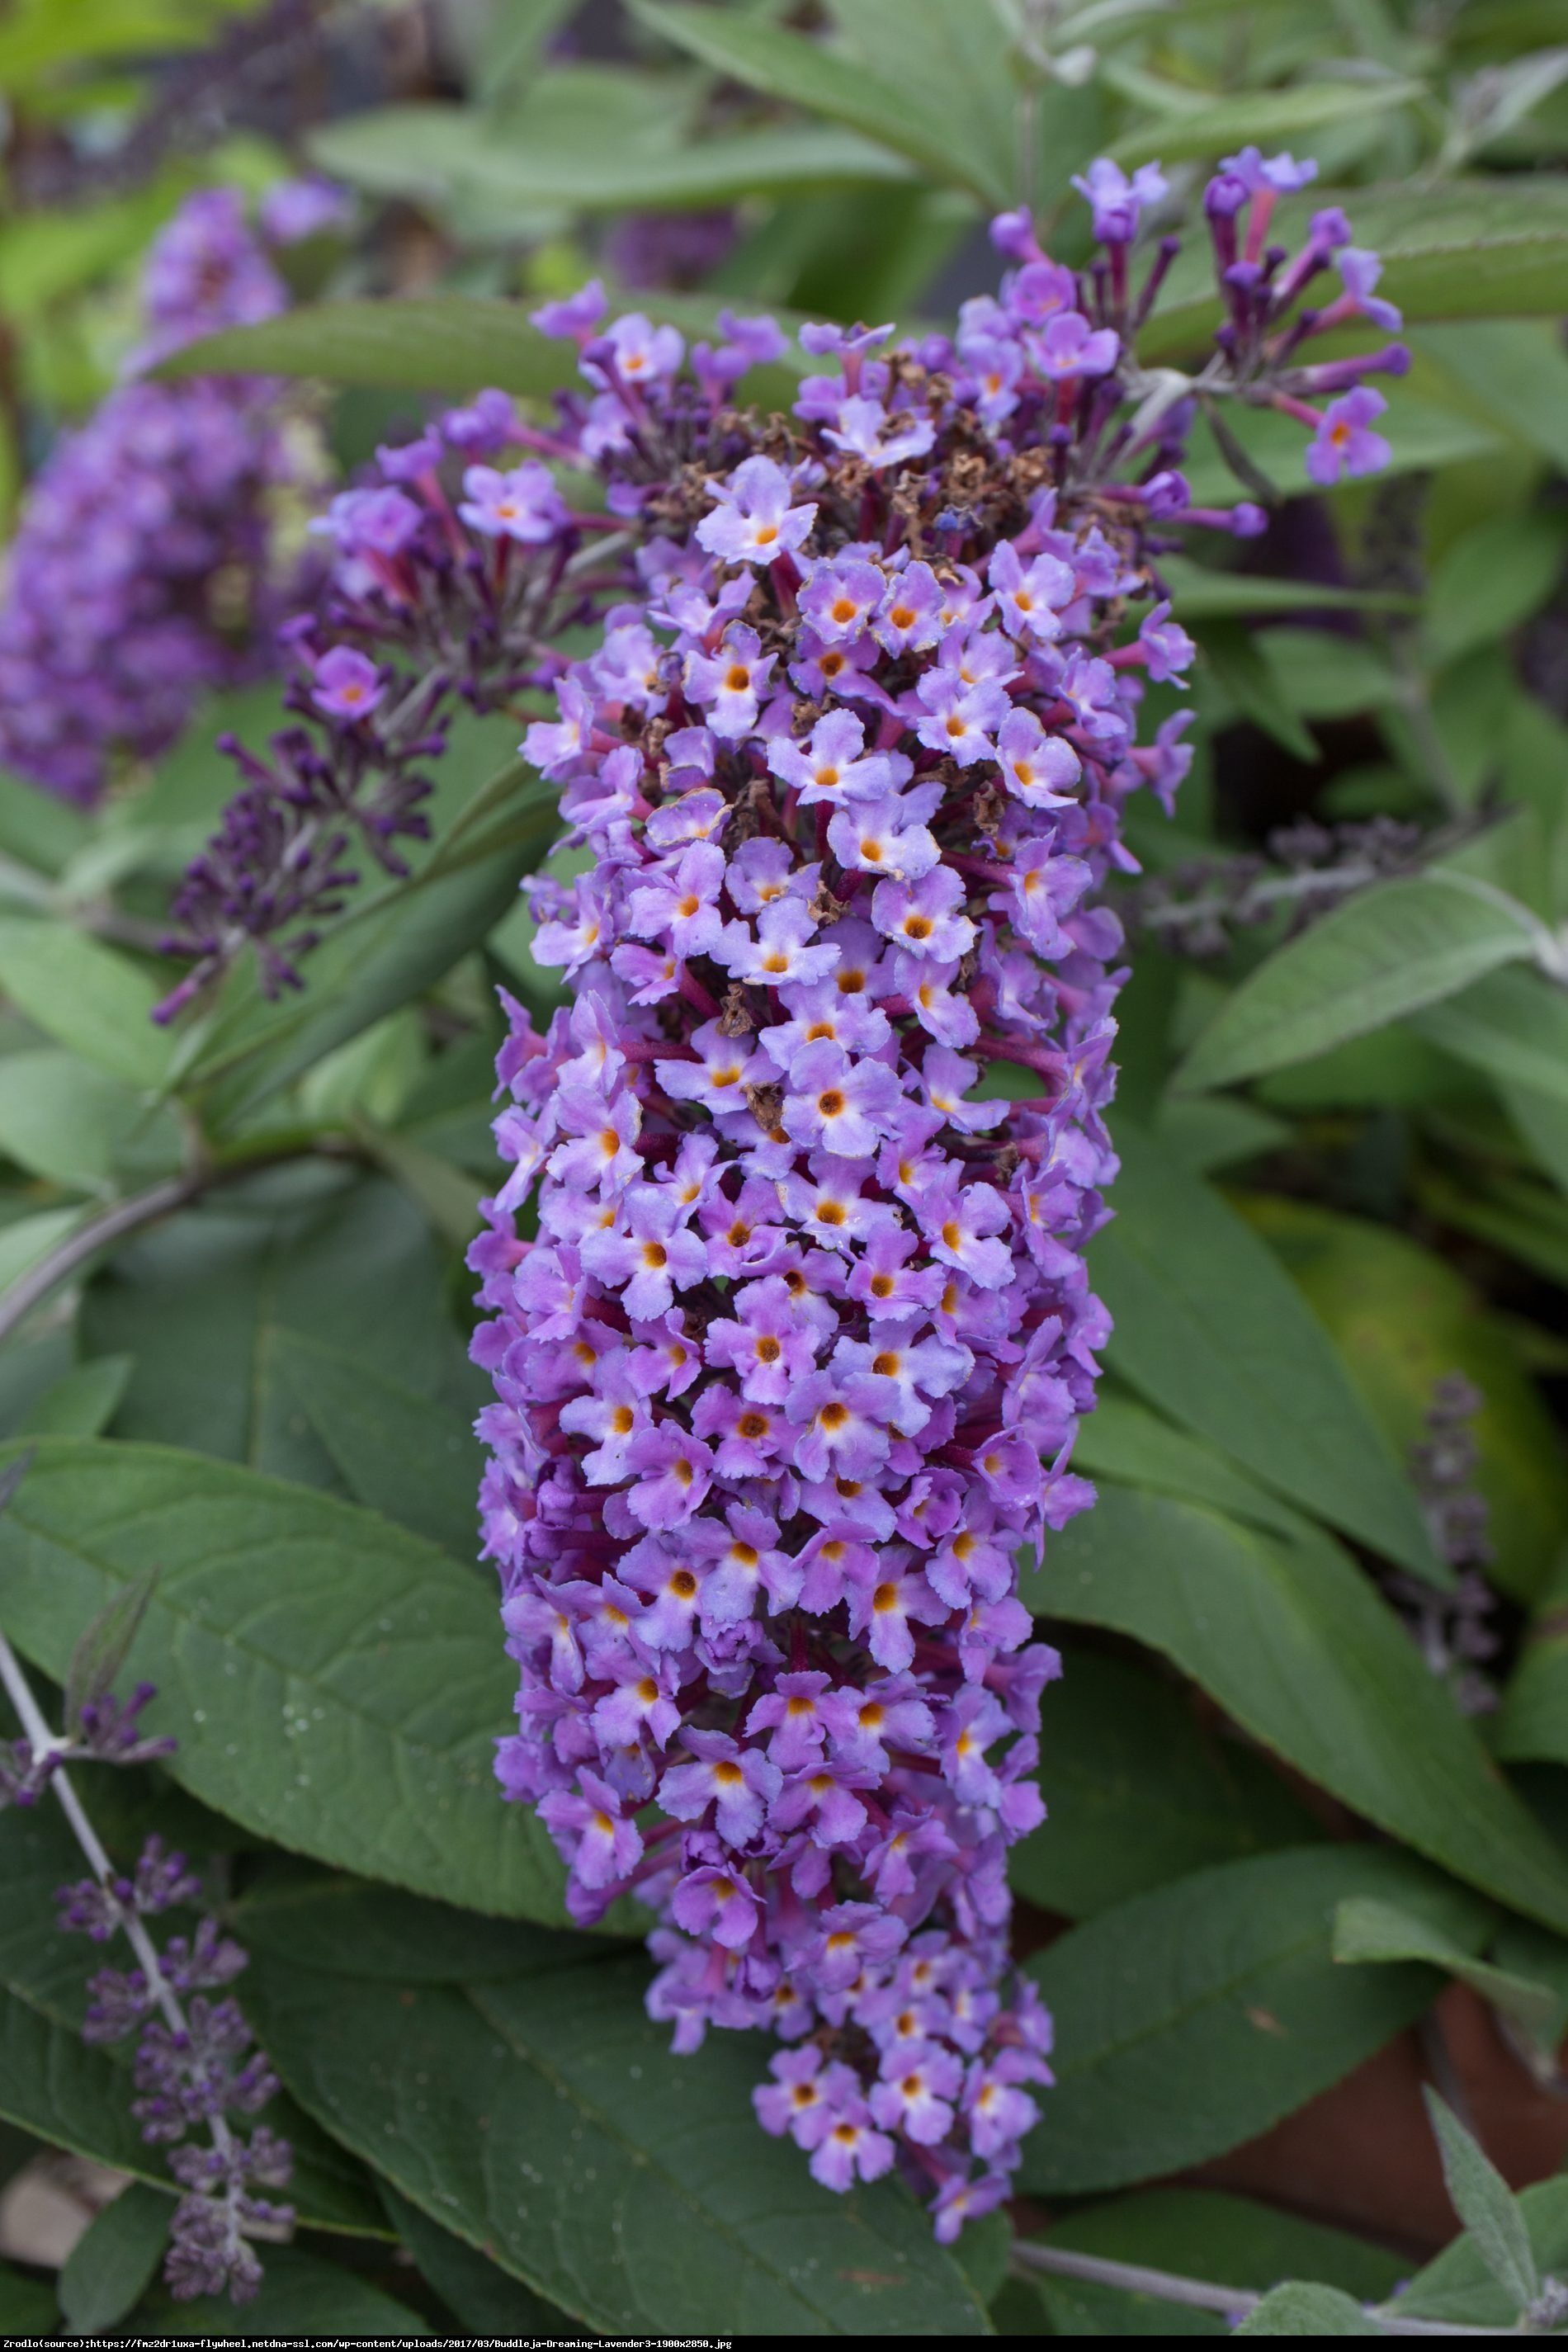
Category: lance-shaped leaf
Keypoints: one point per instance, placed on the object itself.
(1386, 952)
(1485, 2204)
(1298, 1648)
(1367, 1929)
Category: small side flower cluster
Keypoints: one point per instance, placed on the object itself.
(194, 2063)
(454, 567)
(1454, 1631)
(139, 578)
(793, 1369)
(1304, 870)
(196, 2067)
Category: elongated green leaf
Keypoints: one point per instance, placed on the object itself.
(1264, 115)
(1245, 676)
(1191, 2019)
(402, 1454)
(1494, 576)
(114, 2262)
(66, 1119)
(1368, 1929)
(1512, 1025)
(85, 995)
(1201, 593)
(1209, 1328)
(1125, 1441)
(1479, 248)
(1298, 1649)
(1138, 1794)
(380, 957)
(549, 2122)
(427, 342)
(78, 2096)
(333, 1682)
(1385, 953)
(83, 1403)
(437, 153)
(1457, 2284)
(952, 66)
(785, 66)
(1300, 2307)
(1533, 1724)
(1200, 2233)
(1485, 2204)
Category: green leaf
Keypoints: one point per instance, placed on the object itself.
(1241, 670)
(1126, 1442)
(1139, 1792)
(1385, 954)
(299, 2295)
(1485, 2204)
(292, 1912)
(1513, 1026)
(548, 2122)
(784, 64)
(1369, 1929)
(1300, 2308)
(485, 2297)
(405, 1454)
(103, 1645)
(85, 995)
(83, 1403)
(333, 1682)
(1191, 2019)
(1477, 249)
(1199, 2234)
(1300, 1651)
(1458, 2286)
(424, 342)
(955, 66)
(206, 1302)
(445, 1197)
(1493, 577)
(67, 1119)
(76, 2095)
(1210, 1328)
(1201, 593)
(1208, 1133)
(112, 2264)
(438, 155)
(387, 952)
(26, 1240)
(1532, 1725)
(27, 2308)
(1261, 116)
(1513, 369)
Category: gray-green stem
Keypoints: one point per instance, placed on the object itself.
(1201, 2294)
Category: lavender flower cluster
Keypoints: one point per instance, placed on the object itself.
(139, 578)
(194, 2066)
(792, 1367)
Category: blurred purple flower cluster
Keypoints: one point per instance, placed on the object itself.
(139, 578)
(793, 1369)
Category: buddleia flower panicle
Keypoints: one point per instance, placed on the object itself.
(789, 1368)
(142, 574)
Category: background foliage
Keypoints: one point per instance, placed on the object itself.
(1276, 1835)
